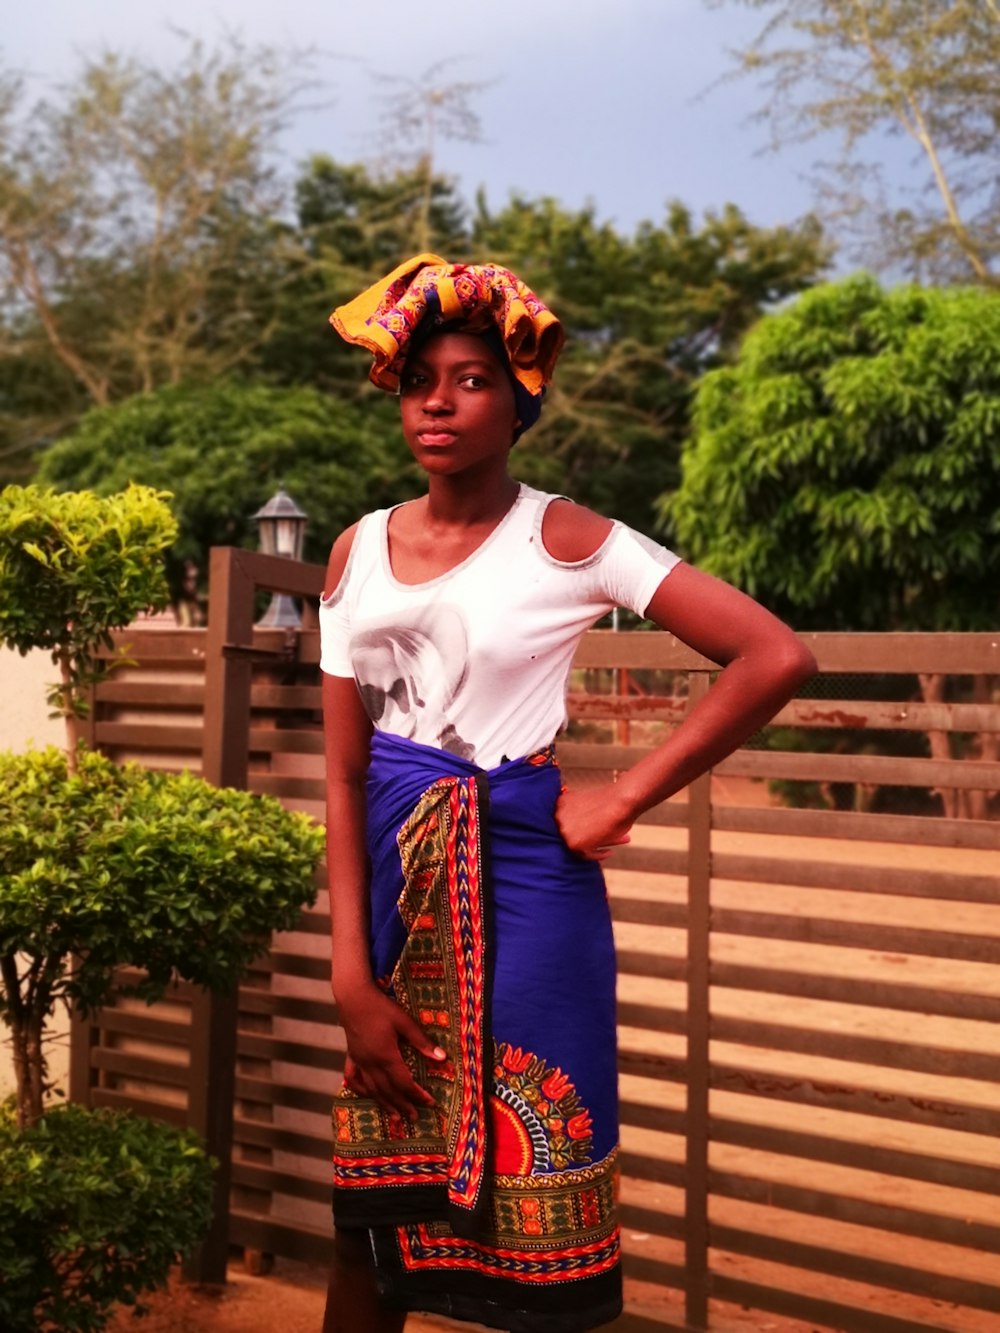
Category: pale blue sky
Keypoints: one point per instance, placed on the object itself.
(607, 101)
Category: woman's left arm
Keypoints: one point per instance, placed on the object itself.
(763, 662)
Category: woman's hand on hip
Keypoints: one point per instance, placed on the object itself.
(376, 1027)
(594, 820)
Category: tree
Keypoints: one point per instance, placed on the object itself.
(646, 314)
(100, 867)
(222, 450)
(846, 469)
(72, 567)
(354, 224)
(141, 240)
(865, 69)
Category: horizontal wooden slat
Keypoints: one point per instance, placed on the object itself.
(823, 714)
(145, 1067)
(882, 715)
(271, 1092)
(149, 736)
(634, 962)
(865, 1050)
(641, 1166)
(655, 1271)
(287, 1006)
(903, 883)
(857, 935)
(655, 1017)
(655, 1221)
(900, 1221)
(896, 997)
(158, 645)
(258, 1176)
(297, 789)
(154, 694)
(843, 824)
(649, 860)
(814, 1310)
(287, 1239)
(260, 1134)
(967, 774)
(148, 1106)
(147, 1025)
(281, 740)
(648, 912)
(886, 654)
(856, 1267)
(779, 1139)
(299, 698)
(964, 774)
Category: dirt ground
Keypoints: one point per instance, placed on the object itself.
(291, 1299)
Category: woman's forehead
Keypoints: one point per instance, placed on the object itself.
(453, 347)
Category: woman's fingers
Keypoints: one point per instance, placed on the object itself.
(384, 1073)
(413, 1034)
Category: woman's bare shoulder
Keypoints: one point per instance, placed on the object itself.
(570, 532)
(340, 553)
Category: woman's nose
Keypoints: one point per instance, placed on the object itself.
(437, 399)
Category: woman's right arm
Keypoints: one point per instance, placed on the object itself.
(374, 1023)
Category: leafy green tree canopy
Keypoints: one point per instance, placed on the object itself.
(154, 870)
(72, 568)
(846, 469)
(224, 449)
(646, 313)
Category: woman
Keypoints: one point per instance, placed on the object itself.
(476, 1133)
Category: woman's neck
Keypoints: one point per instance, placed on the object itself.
(470, 500)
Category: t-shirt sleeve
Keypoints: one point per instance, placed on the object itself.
(632, 567)
(335, 621)
(335, 634)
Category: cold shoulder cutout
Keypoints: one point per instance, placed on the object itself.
(571, 533)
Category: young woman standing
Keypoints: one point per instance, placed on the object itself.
(475, 1137)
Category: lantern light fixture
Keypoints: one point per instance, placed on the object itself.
(281, 526)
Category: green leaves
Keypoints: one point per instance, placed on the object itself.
(73, 567)
(222, 451)
(161, 871)
(847, 468)
(97, 1205)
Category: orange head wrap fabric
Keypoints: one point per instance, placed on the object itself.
(385, 317)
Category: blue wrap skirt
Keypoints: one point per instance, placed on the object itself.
(498, 1204)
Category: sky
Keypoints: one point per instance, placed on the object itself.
(612, 103)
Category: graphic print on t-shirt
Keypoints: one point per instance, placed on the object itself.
(411, 672)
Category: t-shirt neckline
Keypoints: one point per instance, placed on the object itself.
(455, 569)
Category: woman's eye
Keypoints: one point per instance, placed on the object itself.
(475, 381)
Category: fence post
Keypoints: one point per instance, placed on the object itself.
(698, 1034)
(224, 763)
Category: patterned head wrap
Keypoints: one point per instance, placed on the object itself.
(484, 298)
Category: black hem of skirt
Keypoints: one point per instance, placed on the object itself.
(546, 1311)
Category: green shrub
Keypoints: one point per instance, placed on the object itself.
(73, 567)
(97, 1205)
(126, 865)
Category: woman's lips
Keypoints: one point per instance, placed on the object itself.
(436, 436)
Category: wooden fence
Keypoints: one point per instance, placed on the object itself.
(809, 997)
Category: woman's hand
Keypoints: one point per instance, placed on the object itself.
(375, 1026)
(594, 821)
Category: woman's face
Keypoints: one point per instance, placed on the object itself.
(457, 404)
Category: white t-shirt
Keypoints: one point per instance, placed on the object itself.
(476, 661)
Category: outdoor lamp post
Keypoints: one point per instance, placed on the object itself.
(282, 529)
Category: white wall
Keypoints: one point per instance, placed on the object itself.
(24, 724)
